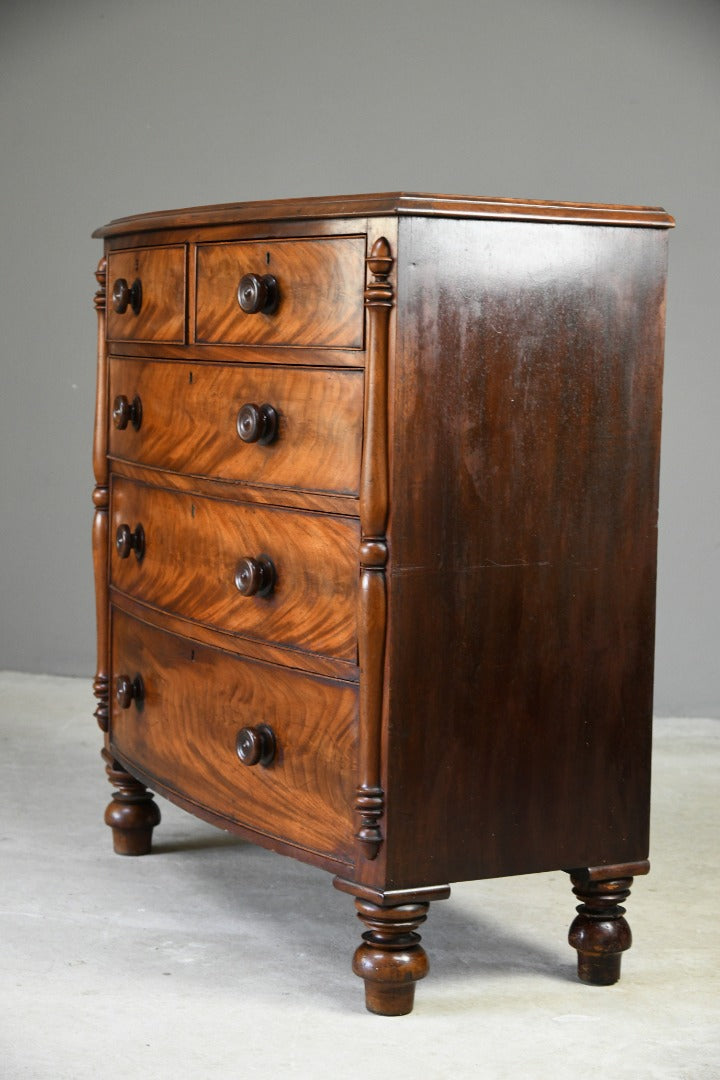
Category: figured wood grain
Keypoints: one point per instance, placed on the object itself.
(193, 545)
(523, 533)
(197, 698)
(320, 284)
(190, 413)
(162, 314)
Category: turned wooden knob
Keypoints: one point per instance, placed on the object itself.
(256, 745)
(126, 412)
(127, 540)
(124, 295)
(258, 295)
(255, 577)
(128, 690)
(257, 423)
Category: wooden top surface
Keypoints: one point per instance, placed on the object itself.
(390, 203)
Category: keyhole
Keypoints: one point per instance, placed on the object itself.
(267, 258)
(192, 509)
(190, 378)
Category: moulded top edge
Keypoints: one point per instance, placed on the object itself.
(389, 203)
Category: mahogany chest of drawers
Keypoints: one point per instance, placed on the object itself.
(374, 541)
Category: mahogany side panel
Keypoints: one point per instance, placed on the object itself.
(523, 539)
(193, 547)
(190, 412)
(319, 288)
(183, 734)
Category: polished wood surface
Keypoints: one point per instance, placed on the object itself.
(196, 699)
(192, 547)
(319, 284)
(374, 544)
(391, 203)
(190, 415)
(531, 413)
(161, 317)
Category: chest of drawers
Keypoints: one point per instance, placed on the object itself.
(374, 544)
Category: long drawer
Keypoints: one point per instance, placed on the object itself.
(213, 420)
(179, 723)
(200, 558)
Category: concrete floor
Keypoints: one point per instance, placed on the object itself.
(214, 959)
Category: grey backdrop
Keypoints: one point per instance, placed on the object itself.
(108, 108)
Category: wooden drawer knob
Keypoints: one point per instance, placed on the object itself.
(128, 690)
(256, 745)
(255, 577)
(126, 412)
(124, 295)
(257, 423)
(258, 295)
(126, 541)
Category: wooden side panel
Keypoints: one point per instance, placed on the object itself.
(195, 701)
(320, 284)
(189, 422)
(161, 273)
(523, 538)
(193, 546)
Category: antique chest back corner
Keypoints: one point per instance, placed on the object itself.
(376, 497)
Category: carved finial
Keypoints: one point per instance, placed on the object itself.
(380, 263)
(101, 275)
(369, 806)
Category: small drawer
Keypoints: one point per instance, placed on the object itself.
(282, 576)
(213, 420)
(179, 722)
(294, 292)
(146, 294)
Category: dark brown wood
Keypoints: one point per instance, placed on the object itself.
(395, 610)
(124, 295)
(391, 959)
(318, 292)
(133, 813)
(600, 932)
(195, 700)
(392, 203)
(127, 540)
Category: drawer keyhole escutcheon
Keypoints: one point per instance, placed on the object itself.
(257, 423)
(127, 540)
(124, 295)
(128, 690)
(255, 577)
(126, 412)
(258, 295)
(256, 745)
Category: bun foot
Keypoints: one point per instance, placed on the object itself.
(391, 959)
(133, 814)
(600, 932)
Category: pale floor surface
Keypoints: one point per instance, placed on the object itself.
(215, 959)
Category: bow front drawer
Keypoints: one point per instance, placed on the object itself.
(146, 294)
(283, 576)
(191, 715)
(286, 427)
(282, 292)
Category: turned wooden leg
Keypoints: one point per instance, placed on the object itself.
(391, 958)
(133, 813)
(600, 933)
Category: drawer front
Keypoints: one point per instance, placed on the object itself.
(319, 299)
(160, 313)
(194, 701)
(193, 547)
(189, 422)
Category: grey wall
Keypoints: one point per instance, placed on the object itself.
(113, 107)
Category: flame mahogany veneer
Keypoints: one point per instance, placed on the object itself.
(374, 542)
